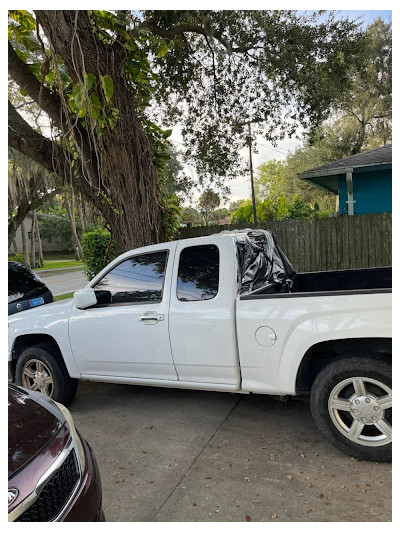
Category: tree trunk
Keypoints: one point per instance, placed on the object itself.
(33, 200)
(14, 243)
(25, 245)
(80, 213)
(33, 240)
(75, 239)
(40, 249)
(361, 135)
(123, 164)
(16, 220)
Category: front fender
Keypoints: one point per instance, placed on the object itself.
(51, 320)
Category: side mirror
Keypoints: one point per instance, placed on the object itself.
(88, 297)
(84, 298)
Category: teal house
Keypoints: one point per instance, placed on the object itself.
(363, 182)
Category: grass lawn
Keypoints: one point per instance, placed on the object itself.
(59, 264)
(65, 296)
(64, 256)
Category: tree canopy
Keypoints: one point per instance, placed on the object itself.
(110, 80)
(367, 109)
(208, 202)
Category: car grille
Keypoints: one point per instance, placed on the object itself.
(55, 494)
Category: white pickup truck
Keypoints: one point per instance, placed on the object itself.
(224, 313)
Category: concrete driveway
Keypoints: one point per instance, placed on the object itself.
(168, 455)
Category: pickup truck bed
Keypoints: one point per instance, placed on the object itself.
(344, 280)
(335, 282)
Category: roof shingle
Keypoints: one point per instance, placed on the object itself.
(379, 156)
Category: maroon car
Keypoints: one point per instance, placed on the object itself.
(52, 472)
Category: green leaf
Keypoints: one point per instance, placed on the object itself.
(90, 80)
(34, 68)
(22, 55)
(166, 134)
(77, 94)
(63, 73)
(30, 44)
(123, 33)
(121, 22)
(162, 49)
(131, 45)
(95, 106)
(108, 87)
(133, 67)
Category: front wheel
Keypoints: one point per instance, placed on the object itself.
(40, 368)
(351, 403)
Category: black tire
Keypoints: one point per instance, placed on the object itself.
(63, 387)
(344, 408)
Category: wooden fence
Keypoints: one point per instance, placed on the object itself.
(333, 243)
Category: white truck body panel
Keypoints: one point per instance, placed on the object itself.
(299, 323)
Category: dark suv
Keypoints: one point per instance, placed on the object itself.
(52, 472)
(25, 289)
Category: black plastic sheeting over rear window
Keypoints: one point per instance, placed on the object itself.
(263, 267)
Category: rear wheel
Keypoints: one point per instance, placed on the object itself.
(351, 403)
(39, 368)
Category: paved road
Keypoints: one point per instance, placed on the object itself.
(64, 280)
(169, 455)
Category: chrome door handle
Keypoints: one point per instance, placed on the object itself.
(150, 318)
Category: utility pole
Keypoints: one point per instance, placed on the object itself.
(253, 195)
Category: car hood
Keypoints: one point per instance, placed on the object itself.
(33, 421)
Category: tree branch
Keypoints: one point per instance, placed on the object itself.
(20, 73)
(23, 209)
(50, 155)
(180, 29)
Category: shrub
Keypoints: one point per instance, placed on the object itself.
(298, 209)
(244, 213)
(19, 257)
(97, 251)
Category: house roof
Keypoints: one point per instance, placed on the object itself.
(325, 176)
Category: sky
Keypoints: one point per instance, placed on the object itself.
(240, 187)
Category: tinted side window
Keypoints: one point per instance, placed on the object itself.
(139, 279)
(23, 283)
(198, 273)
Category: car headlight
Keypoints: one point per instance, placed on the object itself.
(74, 435)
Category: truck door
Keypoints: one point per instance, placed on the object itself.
(129, 336)
(202, 311)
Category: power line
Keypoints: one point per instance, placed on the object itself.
(279, 150)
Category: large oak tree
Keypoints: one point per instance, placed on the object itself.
(108, 81)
